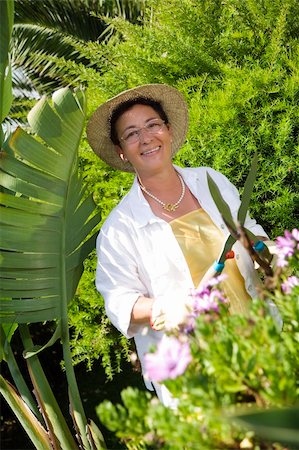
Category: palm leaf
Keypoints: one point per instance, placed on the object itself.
(46, 223)
(33, 48)
(45, 32)
(82, 19)
(48, 228)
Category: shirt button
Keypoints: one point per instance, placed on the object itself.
(222, 226)
(250, 287)
(238, 256)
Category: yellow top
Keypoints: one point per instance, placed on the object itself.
(201, 242)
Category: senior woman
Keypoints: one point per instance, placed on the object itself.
(163, 236)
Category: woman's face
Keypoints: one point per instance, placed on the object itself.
(151, 150)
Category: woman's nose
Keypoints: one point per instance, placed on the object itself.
(144, 135)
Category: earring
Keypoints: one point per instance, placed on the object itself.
(123, 158)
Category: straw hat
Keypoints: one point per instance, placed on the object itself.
(98, 127)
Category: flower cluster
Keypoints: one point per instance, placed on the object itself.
(173, 354)
(169, 361)
(289, 284)
(208, 298)
(286, 246)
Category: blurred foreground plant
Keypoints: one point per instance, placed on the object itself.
(219, 366)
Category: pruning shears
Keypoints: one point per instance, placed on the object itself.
(254, 244)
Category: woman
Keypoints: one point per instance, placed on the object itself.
(166, 232)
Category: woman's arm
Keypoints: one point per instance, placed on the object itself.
(142, 311)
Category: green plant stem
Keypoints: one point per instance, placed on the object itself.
(53, 415)
(78, 412)
(18, 378)
(75, 399)
(31, 425)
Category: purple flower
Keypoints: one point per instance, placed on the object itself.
(216, 280)
(207, 298)
(169, 361)
(289, 284)
(206, 302)
(286, 246)
(295, 234)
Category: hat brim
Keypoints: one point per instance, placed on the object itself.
(98, 127)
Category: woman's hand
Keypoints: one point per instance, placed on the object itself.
(170, 311)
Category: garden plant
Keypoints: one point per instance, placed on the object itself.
(235, 376)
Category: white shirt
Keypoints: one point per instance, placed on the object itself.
(138, 254)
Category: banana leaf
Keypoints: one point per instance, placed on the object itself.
(47, 221)
(48, 228)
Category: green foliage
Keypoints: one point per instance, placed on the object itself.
(93, 336)
(128, 420)
(237, 64)
(252, 110)
(108, 186)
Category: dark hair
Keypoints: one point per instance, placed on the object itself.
(123, 107)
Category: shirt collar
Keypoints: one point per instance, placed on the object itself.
(140, 208)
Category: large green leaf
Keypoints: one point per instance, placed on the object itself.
(48, 228)
(47, 221)
(280, 425)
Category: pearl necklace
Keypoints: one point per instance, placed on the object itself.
(167, 206)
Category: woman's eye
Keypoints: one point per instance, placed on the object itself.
(131, 134)
(153, 126)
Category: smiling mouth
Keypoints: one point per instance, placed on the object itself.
(148, 152)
